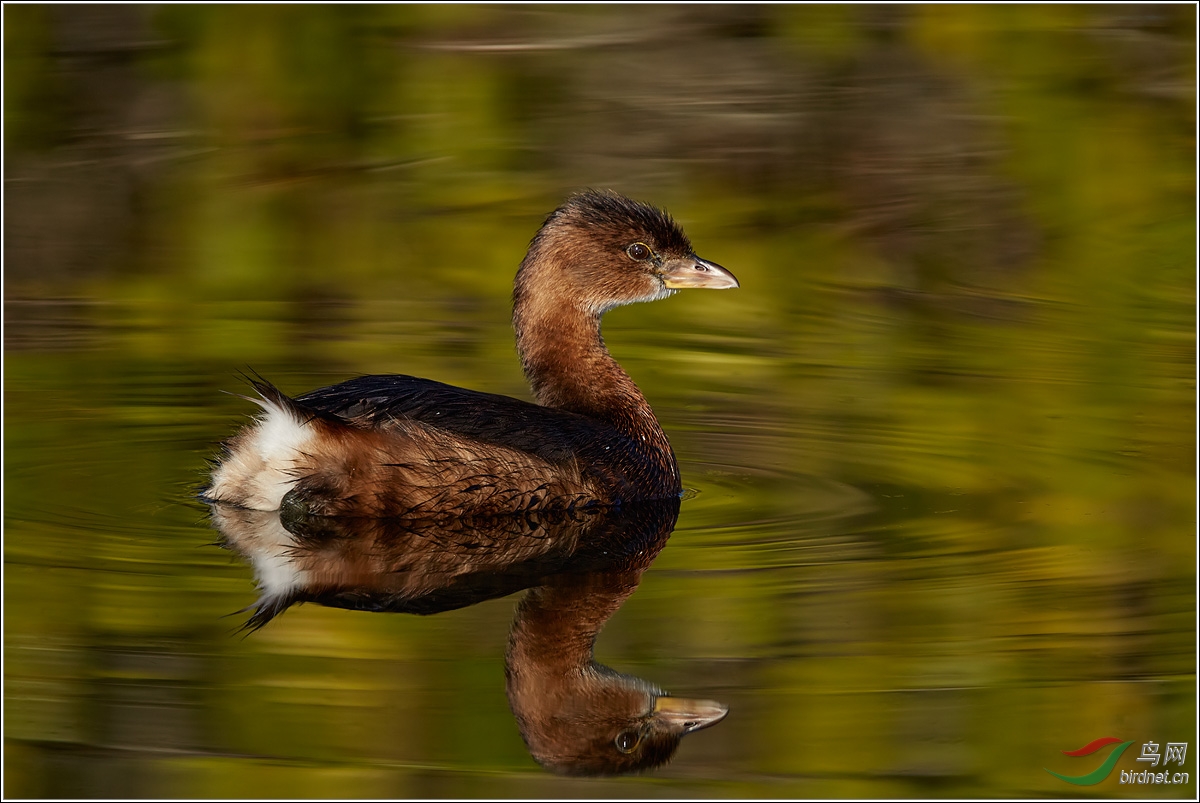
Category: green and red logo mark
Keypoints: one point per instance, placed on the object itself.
(1100, 773)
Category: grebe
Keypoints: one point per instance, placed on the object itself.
(395, 445)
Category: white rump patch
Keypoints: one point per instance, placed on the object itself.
(262, 462)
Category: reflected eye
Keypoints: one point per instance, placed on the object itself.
(639, 251)
(627, 740)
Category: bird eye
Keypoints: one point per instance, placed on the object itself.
(639, 251)
(627, 740)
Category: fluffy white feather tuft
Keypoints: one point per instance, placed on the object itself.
(261, 465)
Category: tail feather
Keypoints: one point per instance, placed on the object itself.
(260, 462)
(271, 397)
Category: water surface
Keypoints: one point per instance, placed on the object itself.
(940, 446)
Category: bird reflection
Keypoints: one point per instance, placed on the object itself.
(578, 716)
(575, 715)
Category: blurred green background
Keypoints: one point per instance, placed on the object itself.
(943, 437)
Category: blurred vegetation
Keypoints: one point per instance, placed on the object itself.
(944, 435)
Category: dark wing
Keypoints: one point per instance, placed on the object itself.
(381, 399)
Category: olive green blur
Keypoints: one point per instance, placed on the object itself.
(941, 440)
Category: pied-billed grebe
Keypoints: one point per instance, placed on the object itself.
(403, 446)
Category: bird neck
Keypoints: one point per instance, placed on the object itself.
(568, 366)
(555, 627)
